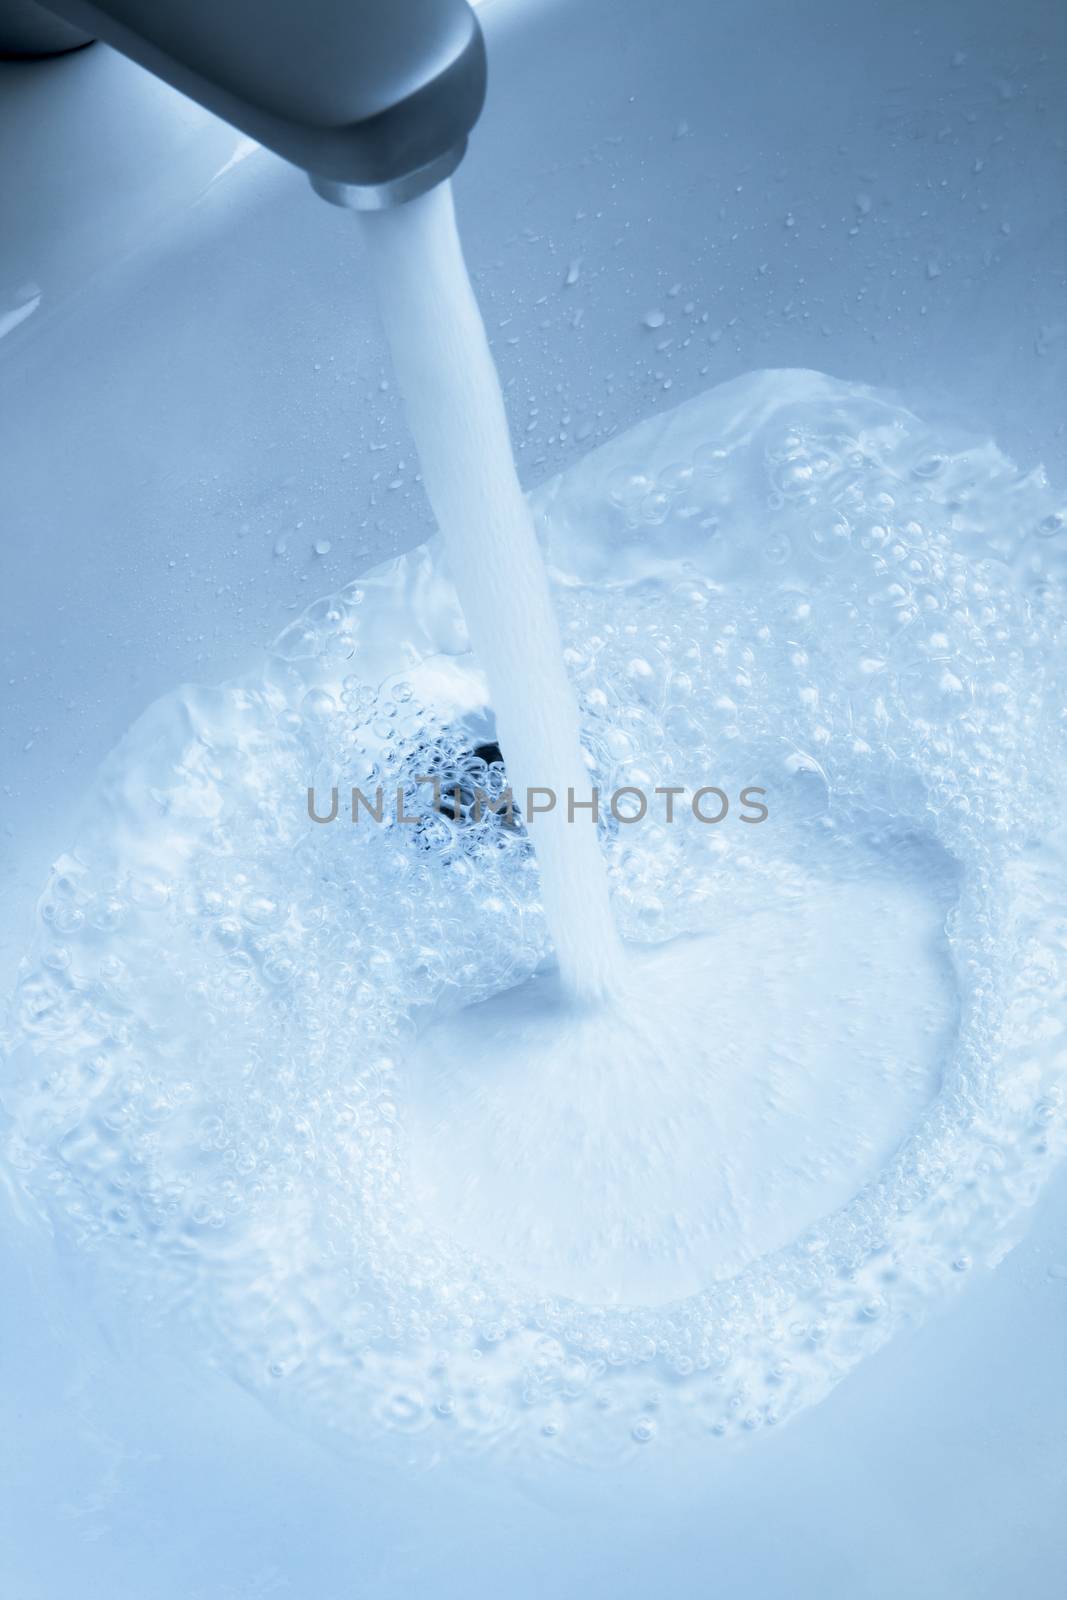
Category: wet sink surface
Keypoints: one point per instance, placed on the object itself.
(202, 434)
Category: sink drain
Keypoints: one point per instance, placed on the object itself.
(458, 800)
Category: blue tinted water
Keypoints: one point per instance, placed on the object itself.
(236, 1080)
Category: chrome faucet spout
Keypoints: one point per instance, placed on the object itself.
(374, 99)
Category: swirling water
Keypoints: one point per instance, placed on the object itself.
(241, 1070)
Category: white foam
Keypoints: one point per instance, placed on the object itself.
(748, 1082)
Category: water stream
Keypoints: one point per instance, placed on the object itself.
(456, 413)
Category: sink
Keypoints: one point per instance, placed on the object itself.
(202, 435)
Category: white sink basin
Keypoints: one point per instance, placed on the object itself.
(201, 435)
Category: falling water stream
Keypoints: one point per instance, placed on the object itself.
(456, 412)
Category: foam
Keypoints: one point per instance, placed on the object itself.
(211, 1063)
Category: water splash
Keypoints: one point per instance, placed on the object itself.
(235, 1027)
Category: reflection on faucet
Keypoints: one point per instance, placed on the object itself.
(374, 99)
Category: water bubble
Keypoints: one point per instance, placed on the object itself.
(626, 487)
(777, 549)
(829, 539)
(655, 507)
(318, 704)
(711, 459)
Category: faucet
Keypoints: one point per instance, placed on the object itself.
(374, 99)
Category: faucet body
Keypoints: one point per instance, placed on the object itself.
(372, 98)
